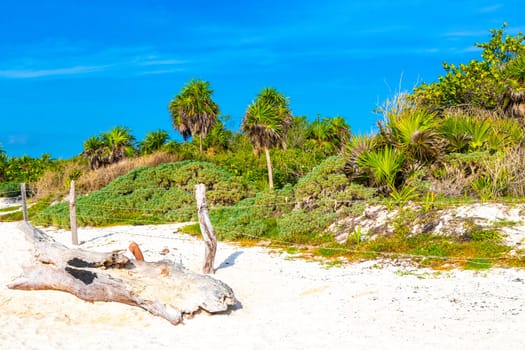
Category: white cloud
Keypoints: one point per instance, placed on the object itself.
(37, 73)
(59, 59)
(162, 62)
(17, 139)
(489, 9)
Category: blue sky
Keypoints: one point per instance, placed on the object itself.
(70, 70)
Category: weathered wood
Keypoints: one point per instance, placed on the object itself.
(208, 234)
(163, 288)
(24, 200)
(73, 213)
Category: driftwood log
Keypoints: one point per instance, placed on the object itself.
(163, 288)
(208, 234)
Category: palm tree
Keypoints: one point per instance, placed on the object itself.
(3, 163)
(93, 151)
(153, 141)
(341, 131)
(514, 94)
(193, 111)
(266, 122)
(328, 134)
(218, 137)
(119, 143)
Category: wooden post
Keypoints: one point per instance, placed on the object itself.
(73, 213)
(24, 201)
(208, 234)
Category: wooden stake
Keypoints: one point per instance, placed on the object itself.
(206, 229)
(24, 201)
(73, 213)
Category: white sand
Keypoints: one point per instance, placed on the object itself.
(286, 304)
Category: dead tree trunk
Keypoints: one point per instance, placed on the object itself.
(208, 234)
(162, 288)
(73, 213)
(23, 192)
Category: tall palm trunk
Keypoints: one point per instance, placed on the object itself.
(200, 142)
(269, 166)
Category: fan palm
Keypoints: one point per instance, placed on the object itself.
(329, 134)
(383, 164)
(119, 143)
(455, 130)
(3, 163)
(358, 145)
(193, 110)
(481, 131)
(93, 151)
(266, 122)
(218, 137)
(416, 133)
(153, 141)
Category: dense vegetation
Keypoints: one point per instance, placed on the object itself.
(458, 138)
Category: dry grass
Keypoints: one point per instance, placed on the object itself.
(99, 178)
(56, 182)
(515, 165)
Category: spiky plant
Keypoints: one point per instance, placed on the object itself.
(416, 132)
(383, 165)
(456, 132)
(358, 145)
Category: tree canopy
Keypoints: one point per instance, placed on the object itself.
(193, 110)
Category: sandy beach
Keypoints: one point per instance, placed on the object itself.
(285, 303)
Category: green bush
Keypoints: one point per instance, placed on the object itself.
(151, 195)
(305, 227)
(253, 218)
(9, 189)
(327, 186)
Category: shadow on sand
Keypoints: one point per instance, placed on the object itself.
(229, 261)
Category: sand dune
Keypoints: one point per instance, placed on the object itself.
(286, 303)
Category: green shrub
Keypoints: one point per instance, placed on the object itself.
(151, 195)
(484, 235)
(305, 226)
(253, 218)
(9, 189)
(327, 187)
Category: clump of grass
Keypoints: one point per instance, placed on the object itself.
(478, 264)
(32, 211)
(192, 229)
(6, 209)
(326, 252)
(484, 235)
